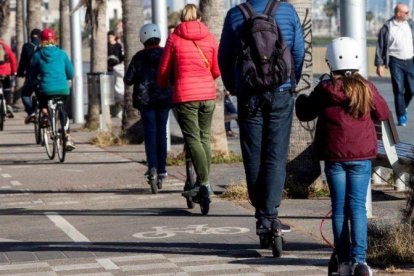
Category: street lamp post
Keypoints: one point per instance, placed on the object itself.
(159, 17)
(77, 84)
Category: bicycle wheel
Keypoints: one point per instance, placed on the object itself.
(49, 143)
(36, 124)
(61, 138)
(2, 114)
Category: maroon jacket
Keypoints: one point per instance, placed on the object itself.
(338, 136)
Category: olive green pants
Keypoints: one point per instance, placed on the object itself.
(195, 119)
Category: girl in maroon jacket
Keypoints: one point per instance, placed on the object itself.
(346, 105)
(191, 56)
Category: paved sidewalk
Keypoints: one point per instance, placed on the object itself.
(94, 215)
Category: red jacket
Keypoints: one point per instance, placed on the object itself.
(193, 79)
(9, 68)
(338, 136)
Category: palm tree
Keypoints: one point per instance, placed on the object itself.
(132, 19)
(64, 26)
(213, 12)
(303, 171)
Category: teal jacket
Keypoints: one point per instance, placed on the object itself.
(52, 69)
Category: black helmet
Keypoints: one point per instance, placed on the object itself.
(35, 33)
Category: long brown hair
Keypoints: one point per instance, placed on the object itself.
(359, 94)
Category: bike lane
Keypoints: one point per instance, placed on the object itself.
(94, 214)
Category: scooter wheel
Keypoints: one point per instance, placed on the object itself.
(205, 207)
(154, 186)
(333, 265)
(277, 246)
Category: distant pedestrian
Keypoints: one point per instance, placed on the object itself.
(395, 50)
(346, 104)
(153, 102)
(28, 88)
(230, 114)
(264, 112)
(191, 57)
(116, 67)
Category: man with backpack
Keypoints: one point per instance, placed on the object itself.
(8, 67)
(260, 57)
(26, 55)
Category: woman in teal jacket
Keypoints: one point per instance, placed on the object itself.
(51, 69)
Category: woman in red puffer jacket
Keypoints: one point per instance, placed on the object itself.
(190, 57)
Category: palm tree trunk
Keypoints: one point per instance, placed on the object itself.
(132, 19)
(19, 44)
(213, 15)
(34, 19)
(64, 27)
(98, 23)
(303, 171)
(5, 21)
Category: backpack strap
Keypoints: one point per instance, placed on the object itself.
(246, 9)
(271, 7)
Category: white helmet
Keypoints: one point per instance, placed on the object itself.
(149, 31)
(343, 53)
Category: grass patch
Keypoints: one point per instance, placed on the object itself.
(106, 138)
(236, 192)
(217, 158)
(390, 246)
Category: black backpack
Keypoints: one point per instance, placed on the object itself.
(265, 59)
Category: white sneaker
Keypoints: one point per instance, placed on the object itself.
(70, 145)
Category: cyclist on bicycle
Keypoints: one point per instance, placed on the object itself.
(27, 53)
(8, 68)
(52, 68)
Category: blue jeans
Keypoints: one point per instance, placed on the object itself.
(155, 129)
(402, 78)
(348, 184)
(265, 122)
(229, 108)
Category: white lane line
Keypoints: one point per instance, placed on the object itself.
(6, 175)
(15, 183)
(23, 266)
(107, 264)
(75, 267)
(147, 266)
(66, 227)
(5, 187)
(285, 268)
(214, 267)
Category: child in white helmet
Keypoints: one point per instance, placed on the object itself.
(345, 138)
(153, 102)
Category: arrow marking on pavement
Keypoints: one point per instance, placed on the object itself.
(66, 227)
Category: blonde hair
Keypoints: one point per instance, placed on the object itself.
(190, 13)
(359, 94)
(46, 43)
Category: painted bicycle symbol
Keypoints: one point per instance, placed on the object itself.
(161, 232)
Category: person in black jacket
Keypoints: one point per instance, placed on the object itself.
(153, 102)
(115, 51)
(23, 71)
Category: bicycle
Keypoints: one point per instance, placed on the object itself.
(54, 133)
(3, 107)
